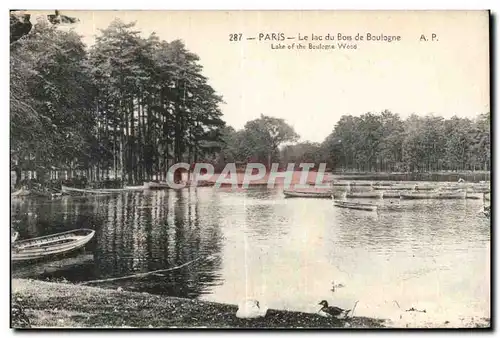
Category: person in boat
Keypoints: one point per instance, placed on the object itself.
(332, 311)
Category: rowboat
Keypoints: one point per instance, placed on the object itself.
(70, 190)
(308, 194)
(20, 193)
(473, 196)
(363, 194)
(23, 192)
(433, 195)
(156, 185)
(479, 189)
(14, 236)
(406, 187)
(45, 246)
(134, 187)
(354, 205)
(390, 193)
(354, 184)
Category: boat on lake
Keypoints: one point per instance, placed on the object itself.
(363, 194)
(134, 188)
(51, 245)
(355, 205)
(23, 192)
(474, 196)
(71, 190)
(406, 187)
(390, 193)
(415, 195)
(308, 194)
(353, 184)
(156, 185)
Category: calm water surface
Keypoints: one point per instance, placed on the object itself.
(432, 255)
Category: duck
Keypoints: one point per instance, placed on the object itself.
(331, 311)
(250, 308)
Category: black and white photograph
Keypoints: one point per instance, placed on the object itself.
(264, 169)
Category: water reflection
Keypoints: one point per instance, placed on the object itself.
(285, 252)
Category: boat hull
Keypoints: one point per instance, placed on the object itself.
(363, 195)
(155, 185)
(307, 194)
(355, 206)
(47, 246)
(391, 194)
(70, 190)
(439, 196)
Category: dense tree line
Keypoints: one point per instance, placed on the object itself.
(129, 107)
(375, 142)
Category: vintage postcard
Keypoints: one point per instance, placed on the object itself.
(250, 169)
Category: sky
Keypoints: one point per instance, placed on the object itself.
(311, 89)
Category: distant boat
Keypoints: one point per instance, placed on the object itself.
(432, 195)
(350, 183)
(474, 196)
(307, 194)
(42, 247)
(23, 192)
(156, 185)
(134, 187)
(70, 190)
(363, 194)
(390, 193)
(393, 187)
(14, 236)
(406, 187)
(355, 205)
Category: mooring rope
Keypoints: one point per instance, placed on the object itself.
(139, 275)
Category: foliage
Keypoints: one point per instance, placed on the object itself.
(384, 142)
(124, 108)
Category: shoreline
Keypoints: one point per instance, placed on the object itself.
(62, 305)
(50, 305)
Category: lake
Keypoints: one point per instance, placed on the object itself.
(287, 253)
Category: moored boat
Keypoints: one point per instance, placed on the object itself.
(363, 194)
(351, 183)
(355, 205)
(71, 190)
(156, 185)
(414, 195)
(308, 194)
(23, 192)
(134, 187)
(473, 196)
(391, 193)
(45, 246)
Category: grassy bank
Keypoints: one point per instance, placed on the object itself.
(65, 305)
